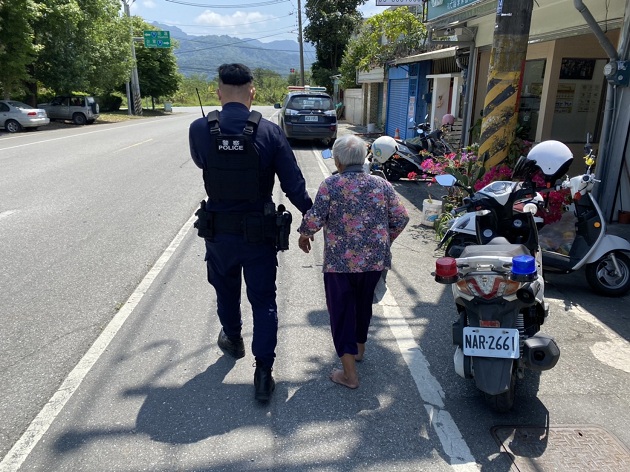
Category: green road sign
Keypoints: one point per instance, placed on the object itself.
(157, 39)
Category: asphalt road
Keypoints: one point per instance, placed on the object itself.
(108, 357)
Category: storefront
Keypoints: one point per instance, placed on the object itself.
(563, 86)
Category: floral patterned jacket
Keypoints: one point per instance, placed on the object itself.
(361, 216)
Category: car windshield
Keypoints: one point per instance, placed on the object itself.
(310, 103)
(19, 105)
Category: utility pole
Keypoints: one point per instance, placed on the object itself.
(135, 104)
(301, 42)
(507, 60)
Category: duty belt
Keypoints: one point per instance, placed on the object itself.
(255, 227)
(229, 222)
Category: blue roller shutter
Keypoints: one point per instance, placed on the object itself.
(397, 102)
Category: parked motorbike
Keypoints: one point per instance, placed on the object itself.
(498, 287)
(603, 256)
(398, 158)
(429, 141)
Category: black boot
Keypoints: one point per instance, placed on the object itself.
(263, 383)
(235, 348)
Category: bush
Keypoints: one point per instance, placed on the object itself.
(109, 102)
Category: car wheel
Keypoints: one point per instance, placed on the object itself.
(328, 142)
(79, 119)
(13, 126)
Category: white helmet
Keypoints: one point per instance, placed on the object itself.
(552, 158)
(383, 148)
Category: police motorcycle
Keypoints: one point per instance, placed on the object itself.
(398, 158)
(498, 286)
(603, 256)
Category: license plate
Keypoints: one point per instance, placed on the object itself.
(311, 118)
(491, 342)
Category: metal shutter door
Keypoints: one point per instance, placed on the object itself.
(397, 100)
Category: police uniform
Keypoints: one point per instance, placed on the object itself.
(238, 244)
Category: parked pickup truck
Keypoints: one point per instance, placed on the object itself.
(78, 108)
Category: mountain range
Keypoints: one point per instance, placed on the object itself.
(203, 54)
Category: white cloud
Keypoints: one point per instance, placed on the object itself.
(241, 20)
(148, 4)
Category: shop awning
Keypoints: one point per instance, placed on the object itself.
(428, 56)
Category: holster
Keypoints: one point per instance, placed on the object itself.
(204, 223)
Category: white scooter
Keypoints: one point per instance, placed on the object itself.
(603, 256)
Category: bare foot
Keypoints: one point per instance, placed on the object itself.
(359, 356)
(339, 377)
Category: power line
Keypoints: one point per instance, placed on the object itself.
(229, 26)
(242, 5)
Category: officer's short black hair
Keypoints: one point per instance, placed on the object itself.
(235, 74)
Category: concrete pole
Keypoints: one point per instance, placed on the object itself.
(507, 61)
(136, 103)
(301, 43)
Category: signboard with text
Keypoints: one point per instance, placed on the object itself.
(398, 3)
(437, 8)
(157, 39)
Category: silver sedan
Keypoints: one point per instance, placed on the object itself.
(16, 115)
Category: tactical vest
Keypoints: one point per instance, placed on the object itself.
(233, 168)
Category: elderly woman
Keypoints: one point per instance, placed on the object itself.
(361, 216)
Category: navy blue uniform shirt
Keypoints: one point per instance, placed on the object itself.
(274, 151)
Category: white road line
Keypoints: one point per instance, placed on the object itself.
(133, 145)
(4, 214)
(23, 447)
(453, 443)
(102, 130)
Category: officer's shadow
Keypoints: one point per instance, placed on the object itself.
(195, 411)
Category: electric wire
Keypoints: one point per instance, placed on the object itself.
(242, 5)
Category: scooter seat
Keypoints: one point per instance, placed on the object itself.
(496, 247)
(414, 147)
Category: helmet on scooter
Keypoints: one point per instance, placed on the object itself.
(383, 148)
(551, 158)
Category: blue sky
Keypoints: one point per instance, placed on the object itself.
(265, 20)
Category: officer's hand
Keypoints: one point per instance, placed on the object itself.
(305, 243)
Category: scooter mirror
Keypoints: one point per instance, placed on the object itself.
(327, 154)
(445, 180)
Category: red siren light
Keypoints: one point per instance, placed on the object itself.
(446, 270)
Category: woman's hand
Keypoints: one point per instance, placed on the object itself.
(305, 243)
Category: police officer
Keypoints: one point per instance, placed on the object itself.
(240, 154)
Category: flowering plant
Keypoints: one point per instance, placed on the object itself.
(556, 201)
(464, 165)
(469, 169)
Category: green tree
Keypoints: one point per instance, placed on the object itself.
(83, 45)
(270, 86)
(331, 24)
(383, 38)
(17, 51)
(187, 92)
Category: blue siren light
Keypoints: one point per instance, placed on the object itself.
(524, 268)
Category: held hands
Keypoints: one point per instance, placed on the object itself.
(305, 243)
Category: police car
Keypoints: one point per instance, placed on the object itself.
(308, 113)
